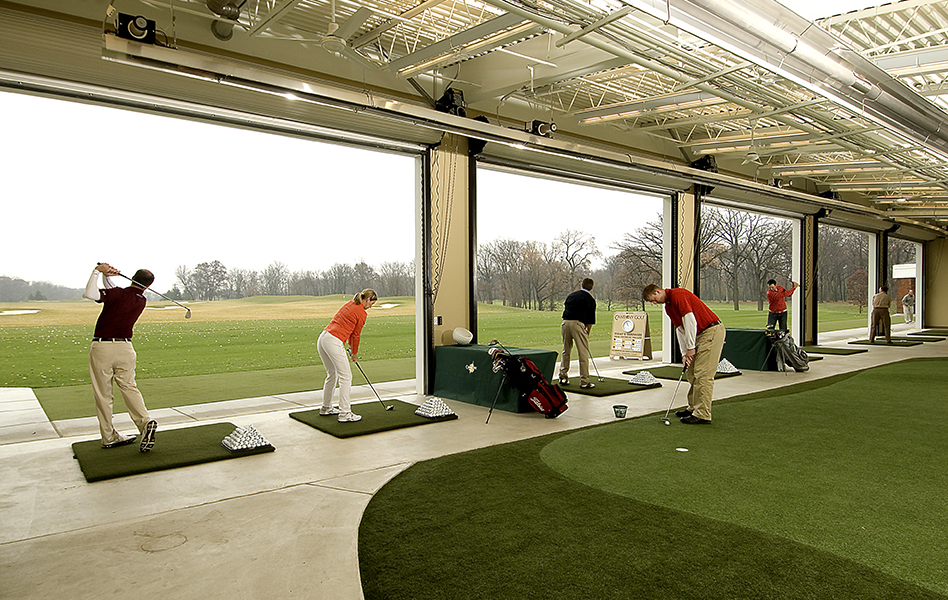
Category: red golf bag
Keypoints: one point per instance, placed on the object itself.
(526, 378)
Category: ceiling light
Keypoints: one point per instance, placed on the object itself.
(751, 157)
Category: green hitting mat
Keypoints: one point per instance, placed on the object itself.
(607, 387)
(895, 342)
(673, 372)
(931, 332)
(173, 448)
(918, 338)
(827, 350)
(374, 419)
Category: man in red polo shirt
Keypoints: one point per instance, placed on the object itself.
(701, 338)
(113, 357)
(776, 298)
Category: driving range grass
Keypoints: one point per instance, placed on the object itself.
(828, 489)
(271, 342)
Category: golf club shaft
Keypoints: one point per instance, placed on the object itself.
(367, 379)
(672, 401)
(153, 291)
(593, 361)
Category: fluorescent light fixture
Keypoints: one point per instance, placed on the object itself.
(525, 57)
(625, 110)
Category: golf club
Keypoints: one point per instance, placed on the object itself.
(680, 377)
(388, 407)
(593, 361)
(187, 315)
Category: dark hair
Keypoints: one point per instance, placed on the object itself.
(588, 284)
(649, 290)
(884, 288)
(772, 282)
(143, 278)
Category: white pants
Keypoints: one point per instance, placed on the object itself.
(108, 360)
(333, 354)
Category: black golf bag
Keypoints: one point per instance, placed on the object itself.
(788, 353)
(526, 378)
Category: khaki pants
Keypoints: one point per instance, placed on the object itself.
(700, 374)
(880, 317)
(333, 354)
(108, 361)
(575, 331)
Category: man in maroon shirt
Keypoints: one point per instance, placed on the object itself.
(701, 338)
(113, 357)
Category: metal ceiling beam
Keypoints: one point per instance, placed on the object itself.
(613, 16)
(283, 7)
(455, 42)
(370, 36)
(914, 62)
(875, 11)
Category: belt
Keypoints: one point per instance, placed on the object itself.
(98, 339)
(710, 326)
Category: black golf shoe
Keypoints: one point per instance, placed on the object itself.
(693, 420)
(682, 413)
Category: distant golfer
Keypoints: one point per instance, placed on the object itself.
(880, 316)
(579, 315)
(778, 306)
(346, 326)
(112, 356)
(908, 306)
(701, 337)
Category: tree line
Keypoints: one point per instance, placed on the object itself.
(14, 289)
(213, 281)
(737, 253)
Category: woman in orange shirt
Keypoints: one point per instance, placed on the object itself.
(346, 326)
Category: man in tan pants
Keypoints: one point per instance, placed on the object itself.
(579, 315)
(113, 357)
(701, 338)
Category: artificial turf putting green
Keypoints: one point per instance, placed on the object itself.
(826, 489)
(374, 419)
(828, 350)
(608, 386)
(173, 448)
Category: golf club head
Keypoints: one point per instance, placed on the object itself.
(665, 420)
(187, 315)
(390, 407)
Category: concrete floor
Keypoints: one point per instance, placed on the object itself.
(277, 525)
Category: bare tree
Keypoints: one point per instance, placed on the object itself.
(541, 270)
(184, 278)
(339, 278)
(364, 276)
(577, 251)
(857, 289)
(842, 252)
(639, 261)
(209, 280)
(276, 279)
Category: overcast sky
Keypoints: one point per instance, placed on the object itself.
(85, 184)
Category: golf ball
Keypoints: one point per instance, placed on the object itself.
(667, 423)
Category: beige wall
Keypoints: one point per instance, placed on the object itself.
(450, 253)
(936, 284)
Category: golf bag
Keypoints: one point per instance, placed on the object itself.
(526, 378)
(788, 353)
